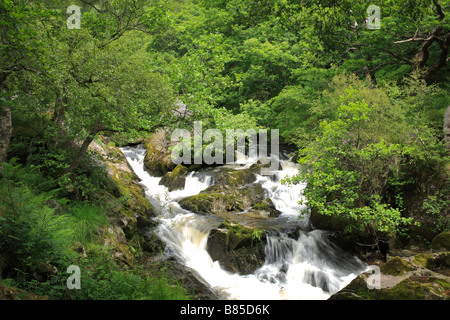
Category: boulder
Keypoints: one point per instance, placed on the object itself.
(441, 241)
(189, 279)
(336, 225)
(265, 208)
(396, 266)
(235, 178)
(131, 221)
(217, 200)
(175, 180)
(158, 158)
(237, 248)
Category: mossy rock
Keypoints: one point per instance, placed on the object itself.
(236, 247)
(8, 292)
(266, 208)
(176, 179)
(235, 178)
(441, 241)
(158, 157)
(396, 266)
(151, 243)
(423, 259)
(216, 200)
(210, 203)
(28, 132)
(410, 289)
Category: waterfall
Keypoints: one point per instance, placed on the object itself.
(299, 265)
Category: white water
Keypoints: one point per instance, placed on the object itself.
(309, 267)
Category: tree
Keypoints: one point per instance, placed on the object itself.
(413, 33)
(357, 155)
(89, 79)
(19, 53)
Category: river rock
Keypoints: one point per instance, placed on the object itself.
(189, 279)
(235, 178)
(233, 191)
(216, 200)
(130, 221)
(265, 208)
(336, 226)
(237, 248)
(175, 180)
(158, 158)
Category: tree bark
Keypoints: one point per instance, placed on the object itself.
(5, 132)
(5, 121)
(447, 127)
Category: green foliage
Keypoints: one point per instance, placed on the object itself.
(103, 279)
(356, 156)
(435, 206)
(30, 231)
(84, 220)
(240, 64)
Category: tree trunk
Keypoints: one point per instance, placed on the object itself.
(5, 132)
(85, 145)
(447, 127)
(5, 121)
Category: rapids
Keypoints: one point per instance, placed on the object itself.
(306, 267)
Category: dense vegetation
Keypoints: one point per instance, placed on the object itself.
(364, 107)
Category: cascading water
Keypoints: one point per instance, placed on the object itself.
(306, 266)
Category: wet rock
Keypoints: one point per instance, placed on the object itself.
(175, 179)
(191, 280)
(266, 208)
(151, 243)
(237, 248)
(130, 220)
(235, 178)
(216, 200)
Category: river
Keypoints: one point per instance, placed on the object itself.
(305, 267)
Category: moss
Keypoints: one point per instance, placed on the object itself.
(266, 206)
(442, 283)
(422, 259)
(179, 171)
(238, 248)
(208, 203)
(175, 179)
(239, 235)
(441, 241)
(405, 290)
(236, 178)
(395, 266)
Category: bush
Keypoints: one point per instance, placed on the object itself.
(31, 234)
(356, 163)
(103, 279)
